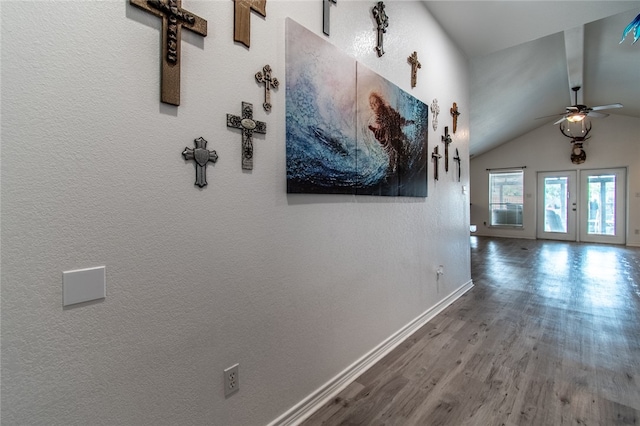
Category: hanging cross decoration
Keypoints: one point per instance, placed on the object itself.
(242, 18)
(265, 77)
(415, 65)
(249, 126)
(326, 21)
(455, 114)
(201, 156)
(446, 140)
(435, 156)
(383, 22)
(435, 110)
(457, 159)
(174, 18)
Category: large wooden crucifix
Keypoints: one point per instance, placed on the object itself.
(383, 22)
(415, 65)
(242, 18)
(446, 140)
(265, 77)
(249, 126)
(326, 21)
(455, 113)
(174, 18)
(201, 156)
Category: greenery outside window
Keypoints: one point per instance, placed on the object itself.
(506, 189)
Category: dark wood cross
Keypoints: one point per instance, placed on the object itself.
(326, 7)
(435, 156)
(265, 77)
(383, 22)
(415, 65)
(242, 18)
(455, 114)
(249, 126)
(201, 156)
(174, 18)
(446, 140)
(457, 159)
(435, 110)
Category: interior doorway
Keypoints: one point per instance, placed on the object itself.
(584, 205)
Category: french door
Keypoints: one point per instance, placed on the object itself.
(588, 205)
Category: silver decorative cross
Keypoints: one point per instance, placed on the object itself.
(201, 156)
(249, 126)
(265, 77)
(383, 22)
(435, 110)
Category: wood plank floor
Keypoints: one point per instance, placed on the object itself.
(550, 335)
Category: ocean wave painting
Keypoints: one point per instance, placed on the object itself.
(367, 138)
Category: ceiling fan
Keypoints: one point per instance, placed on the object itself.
(578, 112)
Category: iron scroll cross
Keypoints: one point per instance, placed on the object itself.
(248, 126)
(457, 159)
(435, 156)
(383, 22)
(174, 18)
(201, 156)
(265, 77)
(446, 140)
(326, 21)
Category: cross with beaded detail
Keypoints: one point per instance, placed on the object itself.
(174, 18)
(248, 126)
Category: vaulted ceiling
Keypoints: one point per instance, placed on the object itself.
(525, 56)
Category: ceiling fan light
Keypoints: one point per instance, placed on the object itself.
(576, 117)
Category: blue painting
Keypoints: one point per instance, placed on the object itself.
(349, 131)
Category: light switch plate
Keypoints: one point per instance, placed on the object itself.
(83, 285)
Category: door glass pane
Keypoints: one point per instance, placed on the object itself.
(555, 201)
(602, 205)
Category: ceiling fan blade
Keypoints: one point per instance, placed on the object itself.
(552, 115)
(597, 114)
(612, 106)
(560, 121)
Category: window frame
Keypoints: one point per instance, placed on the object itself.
(511, 215)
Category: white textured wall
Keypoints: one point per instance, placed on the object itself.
(614, 142)
(294, 288)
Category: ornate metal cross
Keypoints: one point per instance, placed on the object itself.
(265, 77)
(201, 156)
(435, 156)
(457, 159)
(435, 110)
(242, 18)
(415, 65)
(455, 114)
(249, 126)
(383, 22)
(174, 18)
(326, 7)
(446, 140)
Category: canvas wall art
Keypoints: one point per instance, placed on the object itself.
(349, 131)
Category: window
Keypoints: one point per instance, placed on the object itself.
(506, 198)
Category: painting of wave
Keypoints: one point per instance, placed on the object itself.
(344, 137)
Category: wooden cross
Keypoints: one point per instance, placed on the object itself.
(383, 22)
(457, 159)
(435, 156)
(435, 110)
(174, 18)
(326, 7)
(201, 156)
(446, 140)
(265, 77)
(415, 65)
(242, 18)
(249, 126)
(455, 114)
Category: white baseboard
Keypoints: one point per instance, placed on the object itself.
(633, 244)
(333, 387)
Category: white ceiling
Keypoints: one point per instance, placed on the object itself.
(519, 63)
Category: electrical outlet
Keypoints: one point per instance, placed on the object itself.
(637, 231)
(231, 380)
